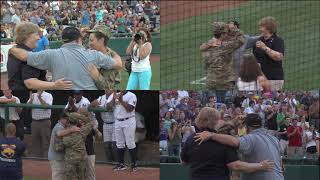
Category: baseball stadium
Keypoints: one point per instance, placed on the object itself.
(35, 162)
(122, 20)
(256, 126)
(185, 25)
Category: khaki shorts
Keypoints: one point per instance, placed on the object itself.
(57, 169)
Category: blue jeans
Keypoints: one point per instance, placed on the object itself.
(139, 80)
(174, 150)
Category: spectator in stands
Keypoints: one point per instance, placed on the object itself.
(212, 102)
(212, 159)
(43, 42)
(237, 101)
(174, 139)
(22, 76)
(167, 121)
(310, 137)
(85, 17)
(269, 52)
(15, 17)
(314, 114)
(65, 18)
(245, 102)
(13, 112)
(11, 150)
(251, 77)
(41, 123)
(3, 33)
(282, 115)
(163, 137)
(295, 135)
(250, 108)
(187, 130)
(140, 49)
(283, 136)
(271, 115)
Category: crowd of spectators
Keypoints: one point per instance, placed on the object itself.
(293, 117)
(53, 16)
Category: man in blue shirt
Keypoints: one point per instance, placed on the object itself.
(43, 42)
(11, 150)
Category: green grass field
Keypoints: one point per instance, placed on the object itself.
(181, 63)
(155, 80)
(31, 178)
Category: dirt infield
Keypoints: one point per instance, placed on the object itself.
(154, 58)
(172, 11)
(41, 169)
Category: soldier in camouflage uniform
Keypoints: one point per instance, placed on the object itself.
(104, 79)
(74, 145)
(217, 55)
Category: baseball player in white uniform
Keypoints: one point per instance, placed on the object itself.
(124, 103)
(109, 138)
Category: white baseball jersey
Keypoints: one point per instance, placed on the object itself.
(119, 111)
(105, 116)
(13, 115)
(83, 103)
(38, 114)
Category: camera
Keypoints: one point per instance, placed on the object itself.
(137, 37)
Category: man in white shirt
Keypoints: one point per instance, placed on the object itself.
(13, 112)
(78, 101)
(124, 103)
(108, 126)
(41, 124)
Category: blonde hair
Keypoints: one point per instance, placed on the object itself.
(23, 31)
(208, 117)
(269, 23)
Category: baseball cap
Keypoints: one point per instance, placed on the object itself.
(73, 117)
(253, 120)
(171, 109)
(102, 29)
(77, 92)
(70, 34)
(250, 93)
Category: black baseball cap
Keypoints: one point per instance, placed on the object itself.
(253, 120)
(70, 34)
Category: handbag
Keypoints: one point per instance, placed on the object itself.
(128, 62)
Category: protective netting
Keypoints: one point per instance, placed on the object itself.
(185, 25)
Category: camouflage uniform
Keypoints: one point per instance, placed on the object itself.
(75, 150)
(107, 78)
(218, 59)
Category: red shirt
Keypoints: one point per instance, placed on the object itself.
(295, 139)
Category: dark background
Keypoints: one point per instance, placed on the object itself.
(147, 105)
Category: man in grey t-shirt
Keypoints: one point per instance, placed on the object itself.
(70, 61)
(250, 41)
(256, 146)
(56, 158)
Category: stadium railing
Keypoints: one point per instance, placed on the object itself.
(295, 169)
(119, 43)
(33, 106)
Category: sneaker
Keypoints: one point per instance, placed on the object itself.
(119, 167)
(134, 167)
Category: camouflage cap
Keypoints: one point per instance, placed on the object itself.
(102, 29)
(220, 27)
(74, 117)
